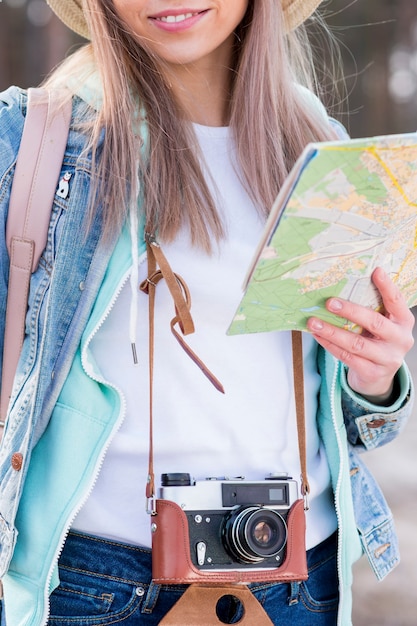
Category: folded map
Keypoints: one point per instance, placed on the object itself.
(346, 208)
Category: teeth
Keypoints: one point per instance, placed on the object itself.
(172, 19)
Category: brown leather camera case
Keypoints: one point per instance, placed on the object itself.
(171, 560)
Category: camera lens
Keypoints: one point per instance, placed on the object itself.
(252, 534)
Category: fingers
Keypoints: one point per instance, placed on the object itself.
(354, 349)
(371, 366)
(395, 306)
(394, 325)
(375, 355)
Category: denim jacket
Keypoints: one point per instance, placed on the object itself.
(63, 294)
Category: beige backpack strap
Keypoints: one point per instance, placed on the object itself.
(35, 180)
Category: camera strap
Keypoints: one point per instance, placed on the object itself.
(182, 301)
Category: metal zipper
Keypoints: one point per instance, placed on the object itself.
(337, 490)
(117, 425)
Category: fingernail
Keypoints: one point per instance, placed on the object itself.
(316, 324)
(335, 305)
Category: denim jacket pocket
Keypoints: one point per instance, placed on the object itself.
(381, 548)
(373, 519)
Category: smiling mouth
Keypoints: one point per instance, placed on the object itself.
(173, 19)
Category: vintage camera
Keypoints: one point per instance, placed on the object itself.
(233, 523)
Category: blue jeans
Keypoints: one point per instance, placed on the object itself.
(104, 582)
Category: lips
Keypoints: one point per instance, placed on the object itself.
(173, 19)
(176, 20)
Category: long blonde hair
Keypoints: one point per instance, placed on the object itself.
(270, 119)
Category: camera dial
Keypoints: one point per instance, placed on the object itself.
(176, 479)
(252, 534)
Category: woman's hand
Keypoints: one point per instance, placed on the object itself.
(373, 357)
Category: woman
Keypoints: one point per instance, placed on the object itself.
(186, 120)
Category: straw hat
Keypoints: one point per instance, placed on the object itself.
(71, 13)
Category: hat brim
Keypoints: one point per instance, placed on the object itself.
(298, 11)
(70, 12)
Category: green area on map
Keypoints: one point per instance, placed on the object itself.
(347, 208)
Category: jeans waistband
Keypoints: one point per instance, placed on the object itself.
(112, 559)
(323, 551)
(133, 564)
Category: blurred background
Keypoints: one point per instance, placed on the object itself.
(378, 43)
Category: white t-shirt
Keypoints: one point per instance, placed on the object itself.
(250, 430)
